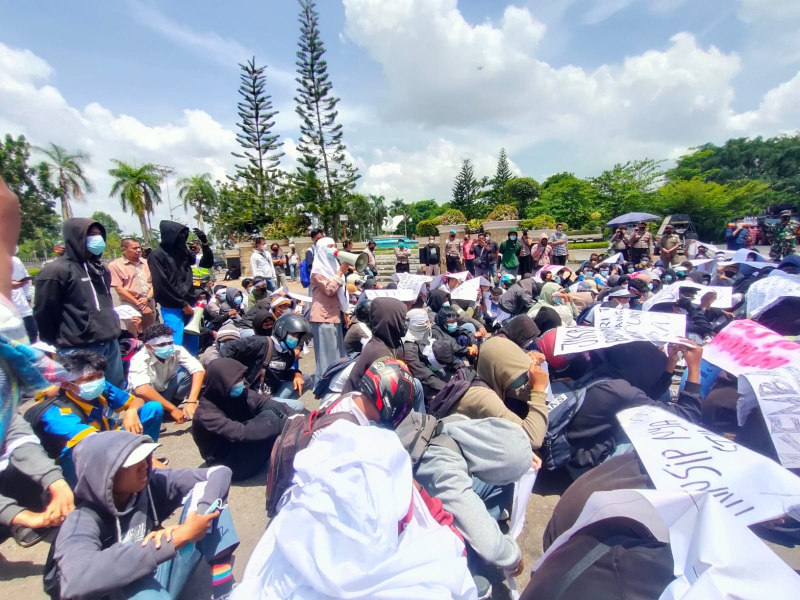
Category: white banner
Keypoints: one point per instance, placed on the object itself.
(402, 295)
(670, 294)
(777, 393)
(468, 290)
(768, 292)
(614, 326)
(681, 456)
(614, 259)
(746, 347)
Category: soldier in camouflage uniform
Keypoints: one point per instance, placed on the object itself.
(784, 235)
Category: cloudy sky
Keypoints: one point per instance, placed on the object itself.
(563, 85)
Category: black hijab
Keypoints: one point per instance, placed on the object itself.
(437, 298)
(387, 317)
(547, 319)
(221, 375)
(639, 363)
(521, 330)
(444, 315)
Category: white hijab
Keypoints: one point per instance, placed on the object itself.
(328, 267)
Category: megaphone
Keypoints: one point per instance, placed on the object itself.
(359, 261)
(193, 328)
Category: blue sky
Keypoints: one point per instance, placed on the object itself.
(566, 85)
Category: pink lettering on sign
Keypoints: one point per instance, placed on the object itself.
(746, 346)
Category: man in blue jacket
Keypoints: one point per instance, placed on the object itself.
(736, 235)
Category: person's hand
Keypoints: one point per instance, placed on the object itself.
(141, 303)
(707, 300)
(147, 310)
(692, 354)
(481, 333)
(518, 569)
(472, 350)
(344, 268)
(188, 310)
(297, 352)
(131, 422)
(30, 519)
(201, 235)
(538, 377)
(193, 529)
(346, 321)
(188, 410)
(298, 382)
(157, 536)
(62, 502)
(233, 312)
(537, 462)
(177, 415)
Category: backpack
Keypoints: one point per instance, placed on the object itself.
(305, 276)
(451, 394)
(417, 432)
(323, 384)
(568, 397)
(297, 434)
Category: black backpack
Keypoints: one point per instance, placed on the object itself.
(568, 397)
(323, 384)
(451, 394)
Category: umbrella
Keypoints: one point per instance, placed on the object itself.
(633, 217)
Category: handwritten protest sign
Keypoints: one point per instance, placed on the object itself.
(407, 281)
(746, 347)
(777, 393)
(619, 326)
(679, 455)
(468, 290)
(402, 295)
(768, 292)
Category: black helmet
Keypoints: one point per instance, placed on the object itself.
(390, 387)
(361, 311)
(293, 325)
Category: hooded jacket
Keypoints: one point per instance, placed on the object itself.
(236, 432)
(73, 305)
(388, 319)
(99, 548)
(171, 267)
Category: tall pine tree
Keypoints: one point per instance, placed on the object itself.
(321, 135)
(501, 178)
(259, 143)
(466, 190)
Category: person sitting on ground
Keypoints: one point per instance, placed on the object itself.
(417, 339)
(166, 373)
(280, 306)
(555, 297)
(34, 496)
(83, 407)
(628, 375)
(114, 544)
(235, 426)
(226, 333)
(521, 330)
(446, 325)
(441, 297)
(233, 306)
(359, 332)
(257, 292)
(270, 357)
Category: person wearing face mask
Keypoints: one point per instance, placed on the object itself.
(430, 257)
(490, 253)
(329, 306)
(640, 243)
(453, 253)
(508, 259)
(417, 339)
(236, 426)
(401, 255)
(83, 407)
(559, 242)
(261, 264)
(166, 373)
(73, 306)
(784, 236)
(553, 296)
(541, 253)
(446, 326)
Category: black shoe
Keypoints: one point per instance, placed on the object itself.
(27, 537)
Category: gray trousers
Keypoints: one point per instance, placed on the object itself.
(328, 344)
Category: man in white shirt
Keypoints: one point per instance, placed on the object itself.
(261, 264)
(156, 373)
(20, 290)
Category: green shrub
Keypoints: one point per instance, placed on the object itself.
(451, 217)
(542, 222)
(474, 225)
(589, 246)
(503, 212)
(33, 272)
(428, 227)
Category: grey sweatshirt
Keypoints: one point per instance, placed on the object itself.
(98, 548)
(495, 451)
(24, 452)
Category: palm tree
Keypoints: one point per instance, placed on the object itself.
(397, 207)
(379, 212)
(68, 176)
(197, 192)
(139, 190)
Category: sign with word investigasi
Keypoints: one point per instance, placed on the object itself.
(680, 455)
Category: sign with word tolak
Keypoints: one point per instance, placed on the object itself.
(613, 326)
(777, 394)
(682, 456)
(402, 295)
(768, 292)
(746, 347)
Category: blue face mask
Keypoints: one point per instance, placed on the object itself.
(92, 389)
(667, 277)
(237, 390)
(604, 273)
(452, 327)
(237, 301)
(557, 279)
(557, 300)
(291, 342)
(631, 270)
(650, 286)
(95, 244)
(445, 304)
(164, 352)
(513, 238)
(331, 252)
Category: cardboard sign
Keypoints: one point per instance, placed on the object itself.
(468, 290)
(407, 281)
(768, 292)
(682, 456)
(777, 393)
(402, 295)
(746, 347)
(613, 326)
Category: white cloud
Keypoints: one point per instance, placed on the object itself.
(603, 9)
(196, 143)
(769, 10)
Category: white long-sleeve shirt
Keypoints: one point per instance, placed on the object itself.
(261, 265)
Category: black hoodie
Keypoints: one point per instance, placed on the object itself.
(171, 267)
(236, 432)
(73, 306)
(99, 548)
